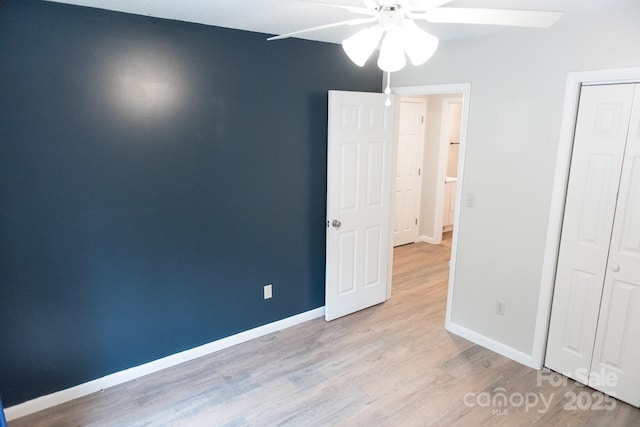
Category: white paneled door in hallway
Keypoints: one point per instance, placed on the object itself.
(411, 134)
(359, 167)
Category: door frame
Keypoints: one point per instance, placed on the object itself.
(575, 81)
(445, 89)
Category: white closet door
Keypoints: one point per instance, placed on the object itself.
(599, 144)
(616, 360)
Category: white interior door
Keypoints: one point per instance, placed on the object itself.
(616, 356)
(411, 134)
(599, 143)
(360, 153)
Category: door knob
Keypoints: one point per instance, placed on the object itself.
(615, 268)
(336, 223)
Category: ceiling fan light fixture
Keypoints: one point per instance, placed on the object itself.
(401, 37)
(392, 56)
(418, 44)
(361, 45)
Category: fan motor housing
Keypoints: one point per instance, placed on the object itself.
(390, 16)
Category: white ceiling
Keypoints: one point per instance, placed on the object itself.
(284, 16)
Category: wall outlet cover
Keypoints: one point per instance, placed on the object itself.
(268, 291)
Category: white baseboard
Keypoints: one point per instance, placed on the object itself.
(53, 399)
(428, 239)
(498, 347)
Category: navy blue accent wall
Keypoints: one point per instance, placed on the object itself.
(154, 175)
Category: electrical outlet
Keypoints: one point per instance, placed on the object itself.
(268, 291)
(500, 307)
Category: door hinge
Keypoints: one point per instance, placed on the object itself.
(419, 171)
(416, 221)
(422, 119)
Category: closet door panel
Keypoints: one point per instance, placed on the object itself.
(599, 144)
(616, 360)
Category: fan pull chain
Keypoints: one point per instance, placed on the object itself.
(387, 91)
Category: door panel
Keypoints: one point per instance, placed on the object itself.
(581, 284)
(372, 256)
(599, 143)
(346, 262)
(375, 174)
(592, 236)
(358, 201)
(349, 173)
(629, 243)
(617, 347)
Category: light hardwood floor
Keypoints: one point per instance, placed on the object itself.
(447, 237)
(390, 365)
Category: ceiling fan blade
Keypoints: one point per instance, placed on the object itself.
(370, 4)
(352, 9)
(424, 5)
(510, 17)
(356, 21)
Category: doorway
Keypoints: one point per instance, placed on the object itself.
(449, 152)
(356, 269)
(434, 169)
(427, 155)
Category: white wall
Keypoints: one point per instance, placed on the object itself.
(518, 81)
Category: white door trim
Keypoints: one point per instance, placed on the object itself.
(465, 90)
(575, 81)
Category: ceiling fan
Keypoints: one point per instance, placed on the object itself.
(396, 33)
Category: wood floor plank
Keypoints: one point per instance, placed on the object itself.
(390, 365)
